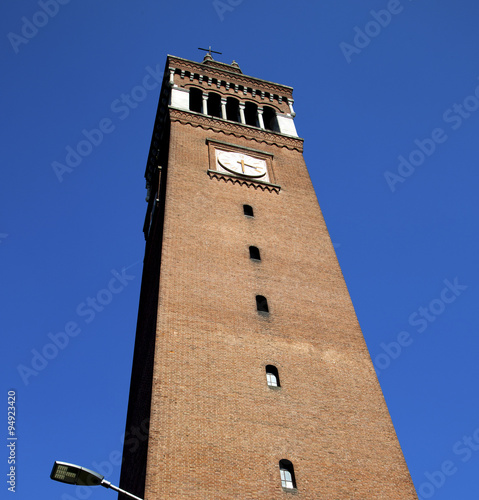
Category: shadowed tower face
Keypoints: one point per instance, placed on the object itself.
(251, 378)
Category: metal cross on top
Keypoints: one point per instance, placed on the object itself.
(209, 50)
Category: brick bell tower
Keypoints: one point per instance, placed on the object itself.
(251, 378)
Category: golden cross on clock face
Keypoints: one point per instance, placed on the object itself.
(241, 164)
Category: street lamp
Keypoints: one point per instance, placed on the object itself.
(74, 474)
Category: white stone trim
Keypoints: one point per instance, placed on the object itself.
(180, 98)
(286, 125)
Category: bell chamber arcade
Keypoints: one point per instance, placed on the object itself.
(219, 97)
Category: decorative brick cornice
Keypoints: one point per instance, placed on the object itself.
(221, 74)
(264, 186)
(235, 129)
(211, 63)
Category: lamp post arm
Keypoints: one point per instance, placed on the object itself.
(107, 484)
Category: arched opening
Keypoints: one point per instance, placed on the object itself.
(254, 253)
(262, 304)
(214, 105)
(196, 100)
(232, 109)
(272, 377)
(286, 471)
(251, 114)
(269, 118)
(248, 210)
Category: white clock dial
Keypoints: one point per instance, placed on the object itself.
(241, 164)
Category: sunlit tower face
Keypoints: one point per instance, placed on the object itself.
(241, 280)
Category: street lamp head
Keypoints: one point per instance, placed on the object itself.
(74, 474)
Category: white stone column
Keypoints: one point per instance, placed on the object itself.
(223, 108)
(290, 102)
(205, 103)
(172, 76)
(241, 108)
(260, 118)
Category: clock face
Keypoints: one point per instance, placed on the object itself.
(241, 164)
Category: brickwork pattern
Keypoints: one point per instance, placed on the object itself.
(217, 431)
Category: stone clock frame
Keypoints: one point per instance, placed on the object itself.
(214, 146)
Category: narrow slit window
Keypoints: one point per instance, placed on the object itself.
(261, 304)
(272, 377)
(254, 253)
(286, 471)
(248, 210)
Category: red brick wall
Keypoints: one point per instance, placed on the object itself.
(217, 430)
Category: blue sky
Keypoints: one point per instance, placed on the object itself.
(387, 100)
